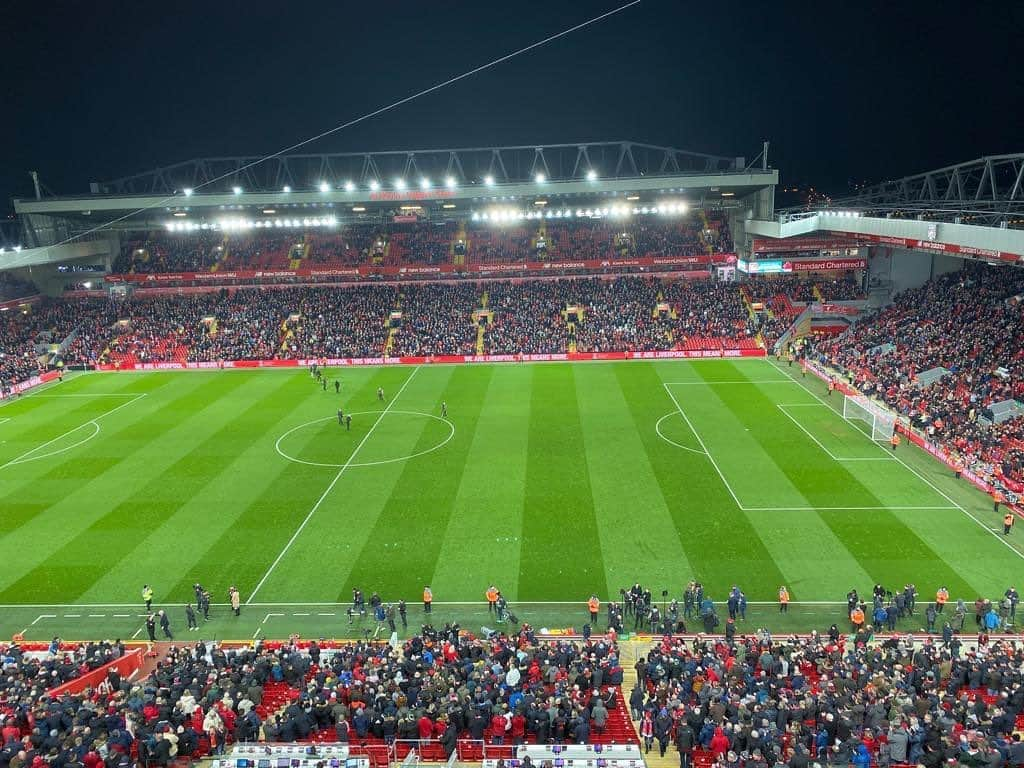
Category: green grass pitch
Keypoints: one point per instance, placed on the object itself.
(552, 481)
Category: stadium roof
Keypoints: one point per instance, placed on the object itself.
(383, 180)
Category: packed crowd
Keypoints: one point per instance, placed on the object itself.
(421, 242)
(436, 319)
(801, 288)
(967, 322)
(760, 702)
(440, 318)
(442, 685)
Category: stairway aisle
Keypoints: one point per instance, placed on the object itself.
(631, 650)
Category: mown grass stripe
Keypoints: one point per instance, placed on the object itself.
(492, 482)
(560, 549)
(886, 549)
(220, 458)
(80, 561)
(625, 490)
(415, 518)
(241, 552)
(720, 543)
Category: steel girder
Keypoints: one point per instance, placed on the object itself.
(987, 191)
(558, 162)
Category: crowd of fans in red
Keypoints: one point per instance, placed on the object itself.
(750, 701)
(443, 685)
(442, 318)
(422, 243)
(968, 322)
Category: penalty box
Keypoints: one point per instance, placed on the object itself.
(751, 462)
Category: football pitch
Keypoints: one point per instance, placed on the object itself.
(553, 481)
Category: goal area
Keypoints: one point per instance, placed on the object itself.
(881, 421)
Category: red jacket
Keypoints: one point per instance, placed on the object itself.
(518, 726)
(426, 727)
(719, 743)
(497, 726)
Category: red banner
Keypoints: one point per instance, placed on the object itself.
(35, 381)
(827, 265)
(126, 667)
(797, 244)
(427, 360)
(952, 248)
(422, 269)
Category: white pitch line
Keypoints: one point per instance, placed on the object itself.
(42, 616)
(25, 457)
(137, 632)
(326, 614)
(122, 615)
(97, 615)
(821, 445)
(256, 633)
(4, 421)
(72, 615)
(836, 509)
(730, 381)
(932, 485)
(300, 614)
(703, 447)
(269, 615)
(330, 487)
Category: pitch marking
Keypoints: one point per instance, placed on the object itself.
(821, 445)
(657, 429)
(289, 457)
(330, 487)
(28, 455)
(928, 482)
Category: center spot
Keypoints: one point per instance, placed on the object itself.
(375, 438)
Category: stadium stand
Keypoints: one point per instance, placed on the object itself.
(423, 243)
(444, 686)
(760, 702)
(967, 322)
(537, 316)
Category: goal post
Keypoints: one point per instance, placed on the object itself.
(880, 420)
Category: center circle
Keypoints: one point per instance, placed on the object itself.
(357, 446)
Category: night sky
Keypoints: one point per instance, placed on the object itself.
(845, 92)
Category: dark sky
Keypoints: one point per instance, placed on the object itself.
(866, 91)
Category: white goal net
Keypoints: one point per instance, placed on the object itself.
(881, 421)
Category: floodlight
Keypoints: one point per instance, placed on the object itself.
(325, 187)
(187, 191)
(399, 184)
(349, 186)
(424, 183)
(374, 185)
(237, 190)
(489, 180)
(286, 189)
(540, 178)
(591, 175)
(450, 182)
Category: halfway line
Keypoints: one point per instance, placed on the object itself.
(330, 487)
